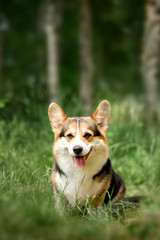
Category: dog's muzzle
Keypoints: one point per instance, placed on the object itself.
(77, 149)
(80, 161)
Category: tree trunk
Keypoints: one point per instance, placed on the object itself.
(86, 59)
(151, 58)
(1, 39)
(52, 51)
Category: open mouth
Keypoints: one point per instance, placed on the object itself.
(80, 161)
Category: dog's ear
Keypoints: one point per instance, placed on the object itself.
(56, 116)
(102, 114)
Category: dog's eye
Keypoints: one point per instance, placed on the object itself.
(87, 135)
(70, 136)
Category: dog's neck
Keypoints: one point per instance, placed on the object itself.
(106, 169)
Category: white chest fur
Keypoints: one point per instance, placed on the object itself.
(78, 184)
(78, 188)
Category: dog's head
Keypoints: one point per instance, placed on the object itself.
(78, 139)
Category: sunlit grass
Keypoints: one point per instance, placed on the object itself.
(27, 205)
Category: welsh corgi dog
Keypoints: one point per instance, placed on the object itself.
(82, 169)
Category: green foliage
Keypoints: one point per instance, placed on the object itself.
(69, 47)
(117, 33)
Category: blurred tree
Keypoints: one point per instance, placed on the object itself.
(0, 51)
(86, 58)
(151, 58)
(50, 27)
(3, 28)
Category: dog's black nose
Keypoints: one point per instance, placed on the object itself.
(77, 149)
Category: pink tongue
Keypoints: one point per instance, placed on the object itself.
(79, 161)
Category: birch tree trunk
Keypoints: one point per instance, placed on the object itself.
(52, 51)
(86, 59)
(151, 58)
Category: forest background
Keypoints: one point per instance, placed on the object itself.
(77, 53)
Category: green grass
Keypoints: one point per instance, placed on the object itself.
(26, 197)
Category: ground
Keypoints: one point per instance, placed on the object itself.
(26, 197)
